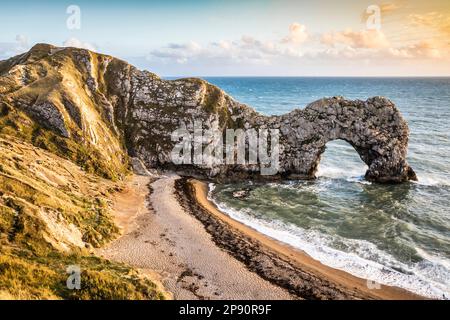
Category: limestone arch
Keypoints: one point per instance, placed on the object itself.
(374, 128)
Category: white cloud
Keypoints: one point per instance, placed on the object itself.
(76, 43)
(299, 45)
(247, 49)
(22, 41)
(364, 39)
(424, 49)
(9, 49)
(180, 53)
(297, 34)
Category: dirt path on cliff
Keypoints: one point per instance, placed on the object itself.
(169, 244)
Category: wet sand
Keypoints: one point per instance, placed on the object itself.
(175, 235)
(173, 247)
(277, 262)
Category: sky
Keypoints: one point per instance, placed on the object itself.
(243, 38)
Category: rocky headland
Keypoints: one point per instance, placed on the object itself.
(75, 123)
(106, 110)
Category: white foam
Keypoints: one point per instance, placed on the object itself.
(432, 180)
(338, 172)
(350, 175)
(363, 260)
(211, 188)
(357, 175)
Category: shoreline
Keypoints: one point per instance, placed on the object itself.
(165, 242)
(275, 261)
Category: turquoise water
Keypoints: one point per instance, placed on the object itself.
(396, 235)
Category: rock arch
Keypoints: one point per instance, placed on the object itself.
(375, 129)
(138, 111)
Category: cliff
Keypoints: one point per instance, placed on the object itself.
(73, 121)
(52, 213)
(98, 110)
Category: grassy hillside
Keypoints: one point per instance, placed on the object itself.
(69, 119)
(61, 159)
(53, 98)
(51, 214)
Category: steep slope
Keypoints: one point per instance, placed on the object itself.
(51, 213)
(100, 109)
(69, 121)
(53, 98)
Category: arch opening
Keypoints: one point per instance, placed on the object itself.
(340, 160)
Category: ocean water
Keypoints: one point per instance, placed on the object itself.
(391, 234)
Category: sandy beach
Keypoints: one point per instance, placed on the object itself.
(173, 233)
(161, 239)
(281, 263)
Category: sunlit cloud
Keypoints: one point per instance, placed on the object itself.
(387, 8)
(437, 21)
(372, 39)
(76, 43)
(423, 49)
(299, 45)
(247, 49)
(297, 34)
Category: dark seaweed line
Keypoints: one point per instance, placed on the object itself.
(266, 264)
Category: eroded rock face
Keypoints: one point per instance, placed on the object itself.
(141, 110)
(50, 117)
(375, 128)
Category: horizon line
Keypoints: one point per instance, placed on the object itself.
(307, 76)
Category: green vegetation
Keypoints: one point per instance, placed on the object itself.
(23, 275)
(54, 190)
(14, 122)
(49, 209)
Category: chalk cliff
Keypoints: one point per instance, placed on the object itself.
(70, 118)
(98, 110)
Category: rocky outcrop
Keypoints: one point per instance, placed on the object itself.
(111, 106)
(375, 129)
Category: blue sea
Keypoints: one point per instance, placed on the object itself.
(391, 234)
